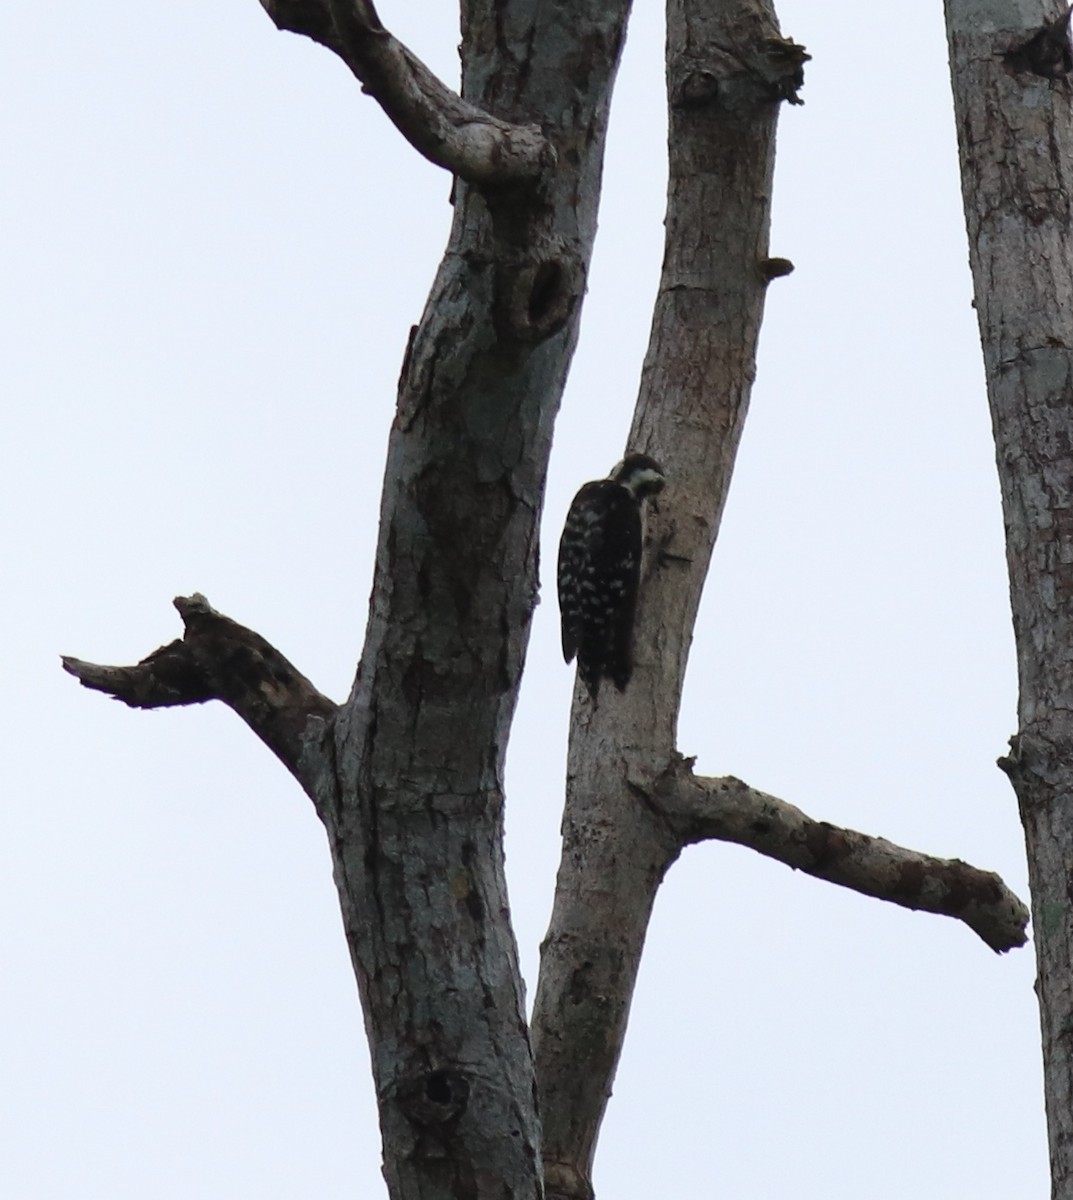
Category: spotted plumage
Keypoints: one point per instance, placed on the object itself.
(600, 569)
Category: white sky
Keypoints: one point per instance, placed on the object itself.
(212, 247)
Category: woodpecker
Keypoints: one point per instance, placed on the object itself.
(600, 569)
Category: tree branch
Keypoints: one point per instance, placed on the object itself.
(436, 121)
(218, 659)
(730, 811)
(728, 67)
(417, 852)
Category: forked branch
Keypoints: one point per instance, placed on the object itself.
(730, 811)
(436, 121)
(628, 815)
(218, 659)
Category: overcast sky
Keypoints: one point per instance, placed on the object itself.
(212, 248)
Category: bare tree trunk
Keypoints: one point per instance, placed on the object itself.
(1012, 96)
(415, 818)
(727, 70)
(407, 775)
(632, 802)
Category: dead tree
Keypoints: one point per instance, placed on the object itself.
(407, 774)
(1011, 70)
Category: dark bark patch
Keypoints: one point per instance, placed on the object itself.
(547, 280)
(466, 894)
(464, 889)
(826, 844)
(579, 987)
(909, 880)
(474, 906)
(1047, 53)
(787, 62)
(696, 89)
(434, 1097)
(537, 297)
(739, 78)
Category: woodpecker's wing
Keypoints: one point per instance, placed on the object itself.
(599, 569)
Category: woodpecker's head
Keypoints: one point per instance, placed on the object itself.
(640, 475)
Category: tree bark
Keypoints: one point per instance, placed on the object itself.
(420, 745)
(407, 774)
(1012, 98)
(416, 789)
(727, 70)
(730, 811)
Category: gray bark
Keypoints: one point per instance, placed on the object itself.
(1012, 99)
(407, 775)
(631, 802)
(727, 69)
(420, 745)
